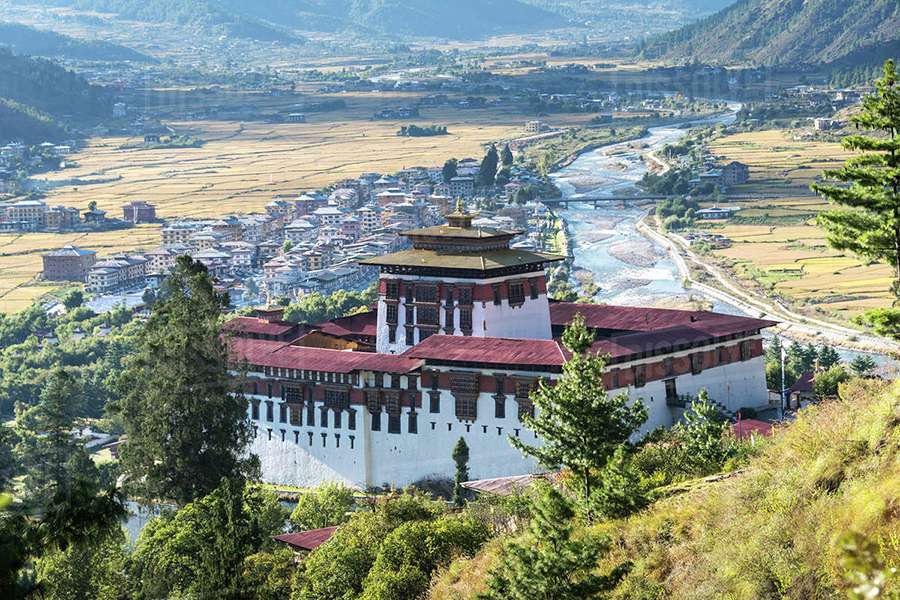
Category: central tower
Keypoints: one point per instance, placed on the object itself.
(461, 280)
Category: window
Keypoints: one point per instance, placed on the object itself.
(640, 375)
(428, 315)
(426, 293)
(269, 391)
(392, 314)
(745, 350)
(464, 387)
(410, 291)
(449, 326)
(424, 334)
(376, 421)
(465, 296)
(392, 334)
(499, 406)
(496, 290)
(615, 379)
(671, 392)
(697, 363)
(393, 423)
(409, 314)
(448, 295)
(351, 419)
(323, 417)
(516, 293)
(465, 320)
(392, 290)
(723, 355)
(270, 416)
(410, 341)
(434, 401)
(254, 411)
(293, 395)
(533, 288)
(413, 423)
(311, 413)
(337, 418)
(282, 413)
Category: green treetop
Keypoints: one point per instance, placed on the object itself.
(461, 458)
(186, 422)
(488, 170)
(867, 221)
(579, 423)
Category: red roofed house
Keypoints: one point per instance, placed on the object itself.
(306, 541)
(462, 332)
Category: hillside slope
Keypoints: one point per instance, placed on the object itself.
(821, 502)
(462, 19)
(22, 39)
(787, 32)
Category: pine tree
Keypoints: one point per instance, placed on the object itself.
(186, 422)
(506, 156)
(52, 458)
(488, 170)
(448, 172)
(828, 357)
(863, 365)
(579, 424)
(461, 458)
(868, 220)
(549, 564)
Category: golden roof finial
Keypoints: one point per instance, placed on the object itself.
(459, 206)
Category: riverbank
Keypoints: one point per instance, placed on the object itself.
(719, 285)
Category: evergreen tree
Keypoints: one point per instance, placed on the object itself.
(579, 424)
(185, 419)
(620, 491)
(461, 458)
(488, 170)
(828, 357)
(863, 365)
(549, 564)
(868, 222)
(703, 434)
(49, 453)
(506, 156)
(448, 172)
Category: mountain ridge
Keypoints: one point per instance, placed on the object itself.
(777, 32)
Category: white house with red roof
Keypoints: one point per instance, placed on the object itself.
(462, 332)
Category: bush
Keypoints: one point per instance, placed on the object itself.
(328, 505)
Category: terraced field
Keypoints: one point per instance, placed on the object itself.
(777, 245)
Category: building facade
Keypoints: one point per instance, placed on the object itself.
(325, 407)
(69, 263)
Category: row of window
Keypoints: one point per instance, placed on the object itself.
(428, 293)
(697, 365)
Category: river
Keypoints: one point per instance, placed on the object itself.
(629, 269)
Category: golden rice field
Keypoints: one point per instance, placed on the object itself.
(239, 168)
(20, 258)
(786, 251)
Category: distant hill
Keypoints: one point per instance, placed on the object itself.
(37, 96)
(269, 19)
(772, 32)
(22, 39)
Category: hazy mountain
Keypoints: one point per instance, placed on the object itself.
(632, 17)
(270, 18)
(22, 39)
(787, 32)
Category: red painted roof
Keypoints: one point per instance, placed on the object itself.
(498, 351)
(268, 353)
(307, 540)
(240, 325)
(804, 384)
(363, 324)
(633, 318)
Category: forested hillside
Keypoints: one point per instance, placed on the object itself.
(787, 32)
(22, 39)
(266, 19)
(37, 94)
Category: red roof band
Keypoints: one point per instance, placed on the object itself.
(306, 540)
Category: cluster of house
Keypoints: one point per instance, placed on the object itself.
(29, 214)
(15, 157)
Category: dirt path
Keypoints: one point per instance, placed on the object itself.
(791, 324)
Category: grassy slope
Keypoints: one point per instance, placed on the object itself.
(772, 531)
(787, 31)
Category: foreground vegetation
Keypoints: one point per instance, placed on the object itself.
(812, 516)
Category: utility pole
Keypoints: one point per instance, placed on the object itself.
(783, 390)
